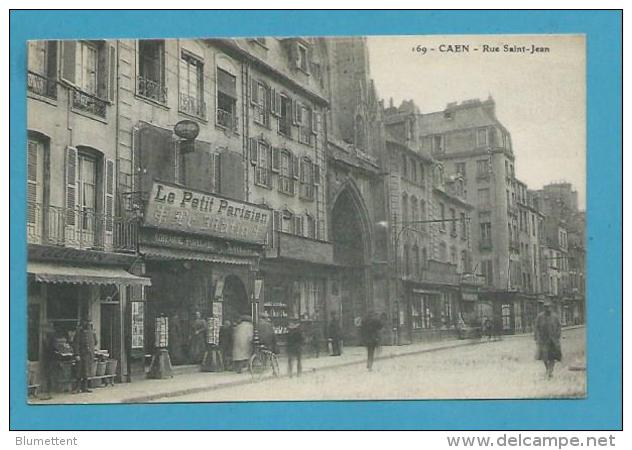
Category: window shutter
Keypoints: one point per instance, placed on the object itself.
(112, 73)
(51, 63)
(68, 63)
(253, 151)
(276, 222)
(276, 159)
(315, 122)
(217, 172)
(316, 174)
(277, 103)
(295, 167)
(254, 91)
(71, 185)
(32, 182)
(293, 108)
(269, 96)
(109, 195)
(298, 225)
(273, 101)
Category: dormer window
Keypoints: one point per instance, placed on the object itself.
(302, 61)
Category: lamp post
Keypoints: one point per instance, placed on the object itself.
(406, 226)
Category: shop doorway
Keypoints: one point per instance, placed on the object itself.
(351, 242)
(236, 302)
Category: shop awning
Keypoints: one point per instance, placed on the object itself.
(57, 273)
(187, 255)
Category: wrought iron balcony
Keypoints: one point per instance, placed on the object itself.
(81, 229)
(151, 89)
(227, 120)
(192, 105)
(40, 85)
(89, 103)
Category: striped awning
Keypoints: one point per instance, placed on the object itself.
(160, 253)
(60, 273)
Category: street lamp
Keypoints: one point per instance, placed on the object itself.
(406, 226)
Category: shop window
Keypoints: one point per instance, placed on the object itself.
(506, 316)
(420, 312)
(446, 315)
(191, 85)
(227, 101)
(150, 82)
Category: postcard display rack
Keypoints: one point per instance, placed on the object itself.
(279, 316)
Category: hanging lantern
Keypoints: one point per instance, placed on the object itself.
(162, 332)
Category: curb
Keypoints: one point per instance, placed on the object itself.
(248, 380)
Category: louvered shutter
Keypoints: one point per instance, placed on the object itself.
(253, 151)
(277, 104)
(295, 167)
(31, 215)
(254, 91)
(276, 159)
(315, 122)
(273, 101)
(276, 223)
(298, 225)
(71, 186)
(112, 73)
(68, 63)
(109, 196)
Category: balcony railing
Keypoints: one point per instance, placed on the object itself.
(89, 103)
(151, 89)
(227, 120)
(192, 105)
(81, 229)
(40, 85)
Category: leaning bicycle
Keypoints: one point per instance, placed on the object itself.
(262, 362)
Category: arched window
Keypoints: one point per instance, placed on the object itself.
(406, 260)
(416, 262)
(404, 207)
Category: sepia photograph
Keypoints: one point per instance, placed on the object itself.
(299, 218)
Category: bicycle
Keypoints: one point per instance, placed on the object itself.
(262, 361)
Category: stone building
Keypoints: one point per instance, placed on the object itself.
(469, 140)
(429, 223)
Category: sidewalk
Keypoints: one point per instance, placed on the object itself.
(150, 390)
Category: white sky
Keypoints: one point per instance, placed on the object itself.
(540, 98)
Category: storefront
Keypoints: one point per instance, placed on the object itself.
(66, 285)
(300, 282)
(202, 253)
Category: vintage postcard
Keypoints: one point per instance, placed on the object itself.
(306, 218)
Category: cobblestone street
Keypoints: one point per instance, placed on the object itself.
(498, 369)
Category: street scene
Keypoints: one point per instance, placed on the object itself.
(292, 219)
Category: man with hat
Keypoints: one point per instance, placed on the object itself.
(547, 337)
(295, 340)
(84, 344)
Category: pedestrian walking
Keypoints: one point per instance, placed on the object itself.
(547, 337)
(488, 328)
(242, 342)
(370, 333)
(226, 344)
(295, 341)
(334, 334)
(267, 337)
(84, 343)
(197, 341)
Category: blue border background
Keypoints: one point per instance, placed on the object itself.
(601, 410)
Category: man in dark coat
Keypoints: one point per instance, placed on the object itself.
(370, 333)
(295, 341)
(84, 344)
(266, 333)
(198, 339)
(333, 334)
(226, 344)
(547, 337)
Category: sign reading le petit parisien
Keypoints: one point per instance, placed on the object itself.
(182, 209)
